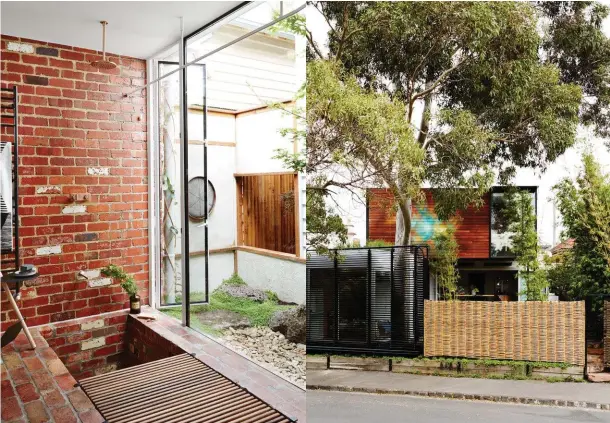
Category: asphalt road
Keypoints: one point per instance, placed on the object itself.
(340, 407)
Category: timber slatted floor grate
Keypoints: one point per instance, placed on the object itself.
(177, 389)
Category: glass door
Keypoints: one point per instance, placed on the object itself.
(198, 194)
(174, 284)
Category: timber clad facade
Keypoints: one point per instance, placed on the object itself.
(472, 225)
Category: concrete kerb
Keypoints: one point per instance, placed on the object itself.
(470, 397)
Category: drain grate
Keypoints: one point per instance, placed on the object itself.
(177, 389)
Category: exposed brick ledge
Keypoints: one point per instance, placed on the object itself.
(37, 387)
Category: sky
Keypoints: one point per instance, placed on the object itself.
(567, 165)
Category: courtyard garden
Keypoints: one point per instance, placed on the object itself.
(255, 323)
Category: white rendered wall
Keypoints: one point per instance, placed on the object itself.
(284, 277)
(222, 220)
(257, 135)
(221, 267)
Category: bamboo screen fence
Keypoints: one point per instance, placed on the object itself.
(266, 211)
(531, 331)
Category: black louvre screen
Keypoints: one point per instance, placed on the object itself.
(367, 300)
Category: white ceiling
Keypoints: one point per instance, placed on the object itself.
(135, 28)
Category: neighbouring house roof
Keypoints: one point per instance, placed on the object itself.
(563, 246)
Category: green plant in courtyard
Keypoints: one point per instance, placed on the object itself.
(127, 281)
(259, 314)
(443, 262)
(521, 216)
(235, 279)
(584, 205)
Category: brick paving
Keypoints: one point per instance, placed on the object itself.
(37, 387)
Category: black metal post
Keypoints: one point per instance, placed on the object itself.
(16, 188)
(186, 282)
(205, 182)
(336, 275)
(392, 323)
(414, 253)
(368, 299)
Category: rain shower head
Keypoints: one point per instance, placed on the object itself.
(103, 64)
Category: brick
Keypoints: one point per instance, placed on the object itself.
(20, 47)
(86, 237)
(36, 80)
(56, 367)
(111, 349)
(93, 343)
(66, 315)
(7, 389)
(36, 412)
(94, 283)
(79, 400)
(77, 208)
(65, 382)
(91, 416)
(27, 392)
(45, 251)
(10, 409)
(19, 375)
(64, 415)
(67, 349)
(43, 381)
(33, 364)
(53, 398)
(46, 51)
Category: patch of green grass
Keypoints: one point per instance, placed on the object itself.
(257, 313)
(235, 279)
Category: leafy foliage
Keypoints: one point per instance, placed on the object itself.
(584, 205)
(486, 87)
(522, 224)
(575, 42)
(127, 281)
(443, 262)
(356, 138)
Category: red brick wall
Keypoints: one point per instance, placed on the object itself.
(144, 345)
(78, 135)
(90, 345)
(472, 225)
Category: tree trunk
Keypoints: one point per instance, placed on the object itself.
(403, 222)
(169, 208)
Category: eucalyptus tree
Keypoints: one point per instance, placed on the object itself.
(485, 87)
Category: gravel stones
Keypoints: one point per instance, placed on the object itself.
(243, 291)
(270, 349)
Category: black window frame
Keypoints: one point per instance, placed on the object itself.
(502, 189)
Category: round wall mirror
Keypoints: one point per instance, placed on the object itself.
(197, 198)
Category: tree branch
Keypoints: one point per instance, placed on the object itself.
(436, 83)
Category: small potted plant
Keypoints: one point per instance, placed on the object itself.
(128, 283)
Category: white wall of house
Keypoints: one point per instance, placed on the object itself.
(257, 135)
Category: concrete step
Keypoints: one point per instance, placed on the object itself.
(602, 377)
